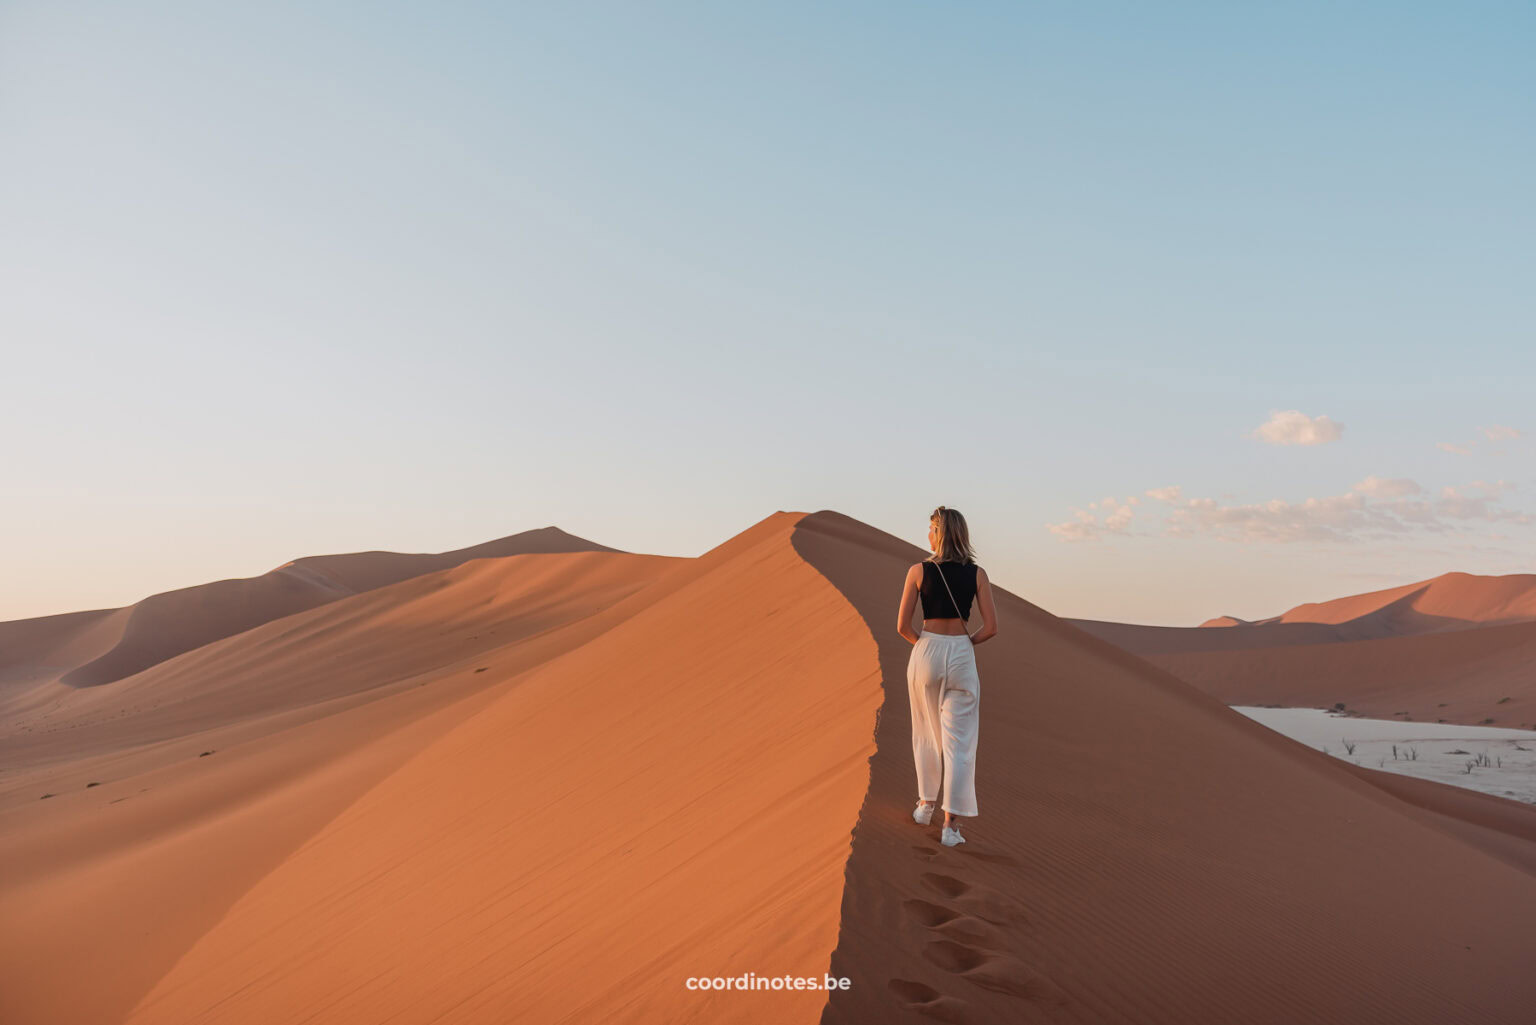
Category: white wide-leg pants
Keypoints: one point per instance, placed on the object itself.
(945, 689)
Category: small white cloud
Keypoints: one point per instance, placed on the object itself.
(1085, 526)
(1133, 500)
(1376, 508)
(1474, 501)
(1293, 427)
(1461, 450)
(1335, 518)
(1070, 531)
(1385, 487)
(1500, 433)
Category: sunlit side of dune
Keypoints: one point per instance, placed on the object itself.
(672, 798)
(212, 767)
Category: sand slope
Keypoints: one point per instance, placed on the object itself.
(703, 767)
(301, 715)
(656, 803)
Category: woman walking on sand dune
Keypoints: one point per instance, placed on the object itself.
(942, 681)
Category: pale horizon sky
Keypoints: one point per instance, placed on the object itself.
(294, 279)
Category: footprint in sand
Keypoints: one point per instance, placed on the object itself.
(929, 914)
(954, 957)
(953, 924)
(972, 947)
(993, 969)
(947, 886)
(975, 899)
(969, 929)
(928, 1001)
(930, 853)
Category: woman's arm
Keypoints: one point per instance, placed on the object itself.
(909, 603)
(988, 610)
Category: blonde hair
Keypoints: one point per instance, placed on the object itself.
(954, 537)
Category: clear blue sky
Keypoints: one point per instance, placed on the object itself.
(285, 279)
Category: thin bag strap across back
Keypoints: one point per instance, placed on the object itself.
(952, 601)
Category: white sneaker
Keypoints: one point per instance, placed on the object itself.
(951, 837)
(922, 814)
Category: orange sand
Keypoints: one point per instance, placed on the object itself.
(678, 767)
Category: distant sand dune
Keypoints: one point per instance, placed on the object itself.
(87, 649)
(1449, 601)
(1459, 647)
(677, 767)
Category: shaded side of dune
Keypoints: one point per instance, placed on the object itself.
(1505, 829)
(1145, 855)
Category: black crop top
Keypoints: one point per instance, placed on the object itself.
(961, 578)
